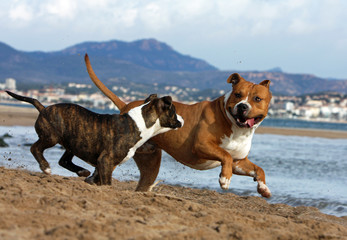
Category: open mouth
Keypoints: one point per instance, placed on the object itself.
(244, 122)
(247, 123)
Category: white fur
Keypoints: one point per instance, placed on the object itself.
(146, 133)
(179, 118)
(48, 171)
(239, 170)
(238, 144)
(224, 182)
(226, 97)
(244, 102)
(209, 164)
(264, 187)
(252, 173)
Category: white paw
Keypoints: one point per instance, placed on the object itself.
(48, 171)
(224, 182)
(264, 190)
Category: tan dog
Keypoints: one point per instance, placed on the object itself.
(215, 133)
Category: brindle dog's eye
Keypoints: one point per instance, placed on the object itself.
(238, 95)
(257, 99)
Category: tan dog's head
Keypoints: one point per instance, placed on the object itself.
(247, 104)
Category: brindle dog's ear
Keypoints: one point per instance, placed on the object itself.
(151, 97)
(234, 79)
(265, 83)
(166, 102)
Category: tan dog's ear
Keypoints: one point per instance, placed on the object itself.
(151, 97)
(234, 79)
(265, 83)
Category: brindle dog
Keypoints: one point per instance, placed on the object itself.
(102, 140)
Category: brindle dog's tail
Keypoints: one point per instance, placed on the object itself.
(33, 101)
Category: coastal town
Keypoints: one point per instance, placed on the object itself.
(327, 106)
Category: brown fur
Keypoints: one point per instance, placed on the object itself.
(101, 140)
(199, 139)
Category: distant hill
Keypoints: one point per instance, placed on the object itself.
(145, 61)
(148, 53)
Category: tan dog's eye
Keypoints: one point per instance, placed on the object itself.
(257, 99)
(238, 95)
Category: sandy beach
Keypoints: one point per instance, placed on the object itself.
(37, 206)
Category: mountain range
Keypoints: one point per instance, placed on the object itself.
(143, 61)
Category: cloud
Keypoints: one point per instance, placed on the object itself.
(21, 12)
(212, 30)
(253, 17)
(62, 9)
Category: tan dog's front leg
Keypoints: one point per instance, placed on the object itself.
(226, 173)
(247, 168)
(215, 153)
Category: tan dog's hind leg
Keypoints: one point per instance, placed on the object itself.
(247, 168)
(148, 165)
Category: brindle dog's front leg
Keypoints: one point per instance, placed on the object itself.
(105, 166)
(247, 168)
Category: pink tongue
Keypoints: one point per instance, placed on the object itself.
(250, 122)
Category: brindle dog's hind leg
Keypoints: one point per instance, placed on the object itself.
(37, 150)
(148, 164)
(66, 162)
(94, 178)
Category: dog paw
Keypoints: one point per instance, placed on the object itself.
(90, 180)
(263, 190)
(83, 173)
(224, 182)
(48, 171)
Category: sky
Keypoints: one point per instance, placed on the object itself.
(299, 36)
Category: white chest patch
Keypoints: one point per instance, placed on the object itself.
(239, 143)
(146, 133)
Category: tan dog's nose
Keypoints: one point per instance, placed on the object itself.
(242, 108)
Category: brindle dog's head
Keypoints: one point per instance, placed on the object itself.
(163, 110)
(247, 104)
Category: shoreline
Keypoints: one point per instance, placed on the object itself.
(24, 116)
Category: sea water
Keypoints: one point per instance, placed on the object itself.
(299, 170)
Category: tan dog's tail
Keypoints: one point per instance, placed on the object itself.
(113, 97)
(33, 101)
